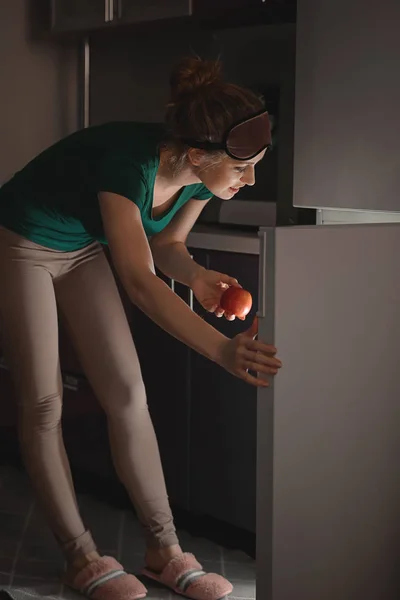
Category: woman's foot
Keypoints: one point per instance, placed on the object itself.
(183, 574)
(157, 559)
(103, 578)
(80, 563)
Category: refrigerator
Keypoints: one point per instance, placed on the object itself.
(328, 431)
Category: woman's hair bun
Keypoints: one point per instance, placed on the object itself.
(192, 74)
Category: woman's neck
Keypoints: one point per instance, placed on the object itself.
(168, 179)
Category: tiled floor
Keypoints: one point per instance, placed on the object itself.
(30, 562)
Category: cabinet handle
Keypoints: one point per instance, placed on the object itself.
(109, 10)
(261, 279)
(190, 293)
(191, 299)
(86, 82)
(71, 383)
(119, 9)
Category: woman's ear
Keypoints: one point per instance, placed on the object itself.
(196, 156)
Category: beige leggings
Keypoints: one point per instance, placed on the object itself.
(34, 280)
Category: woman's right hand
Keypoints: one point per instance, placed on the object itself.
(244, 353)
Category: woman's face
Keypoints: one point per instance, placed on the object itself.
(225, 178)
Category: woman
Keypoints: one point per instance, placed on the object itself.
(139, 188)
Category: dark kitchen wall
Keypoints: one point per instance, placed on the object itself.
(130, 73)
(38, 106)
(38, 100)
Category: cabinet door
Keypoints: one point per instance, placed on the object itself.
(136, 11)
(347, 124)
(223, 6)
(223, 417)
(246, 11)
(76, 15)
(165, 368)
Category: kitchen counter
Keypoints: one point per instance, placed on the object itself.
(213, 237)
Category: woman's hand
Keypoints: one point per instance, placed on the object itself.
(208, 287)
(133, 260)
(244, 353)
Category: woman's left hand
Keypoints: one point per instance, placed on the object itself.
(208, 287)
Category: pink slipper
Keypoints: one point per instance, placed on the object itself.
(185, 576)
(105, 579)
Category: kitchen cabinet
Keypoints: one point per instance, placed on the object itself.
(204, 418)
(87, 15)
(223, 416)
(136, 11)
(245, 11)
(210, 6)
(347, 125)
(79, 15)
(8, 413)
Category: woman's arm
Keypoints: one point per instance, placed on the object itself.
(133, 260)
(173, 259)
(169, 246)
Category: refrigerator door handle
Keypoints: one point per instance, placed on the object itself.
(261, 280)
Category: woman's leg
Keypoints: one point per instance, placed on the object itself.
(29, 331)
(89, 300)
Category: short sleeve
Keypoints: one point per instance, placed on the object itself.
(202, 193)
(123, 177)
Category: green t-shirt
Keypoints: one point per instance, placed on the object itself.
(53, 201)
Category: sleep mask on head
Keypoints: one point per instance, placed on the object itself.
(243, 140)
